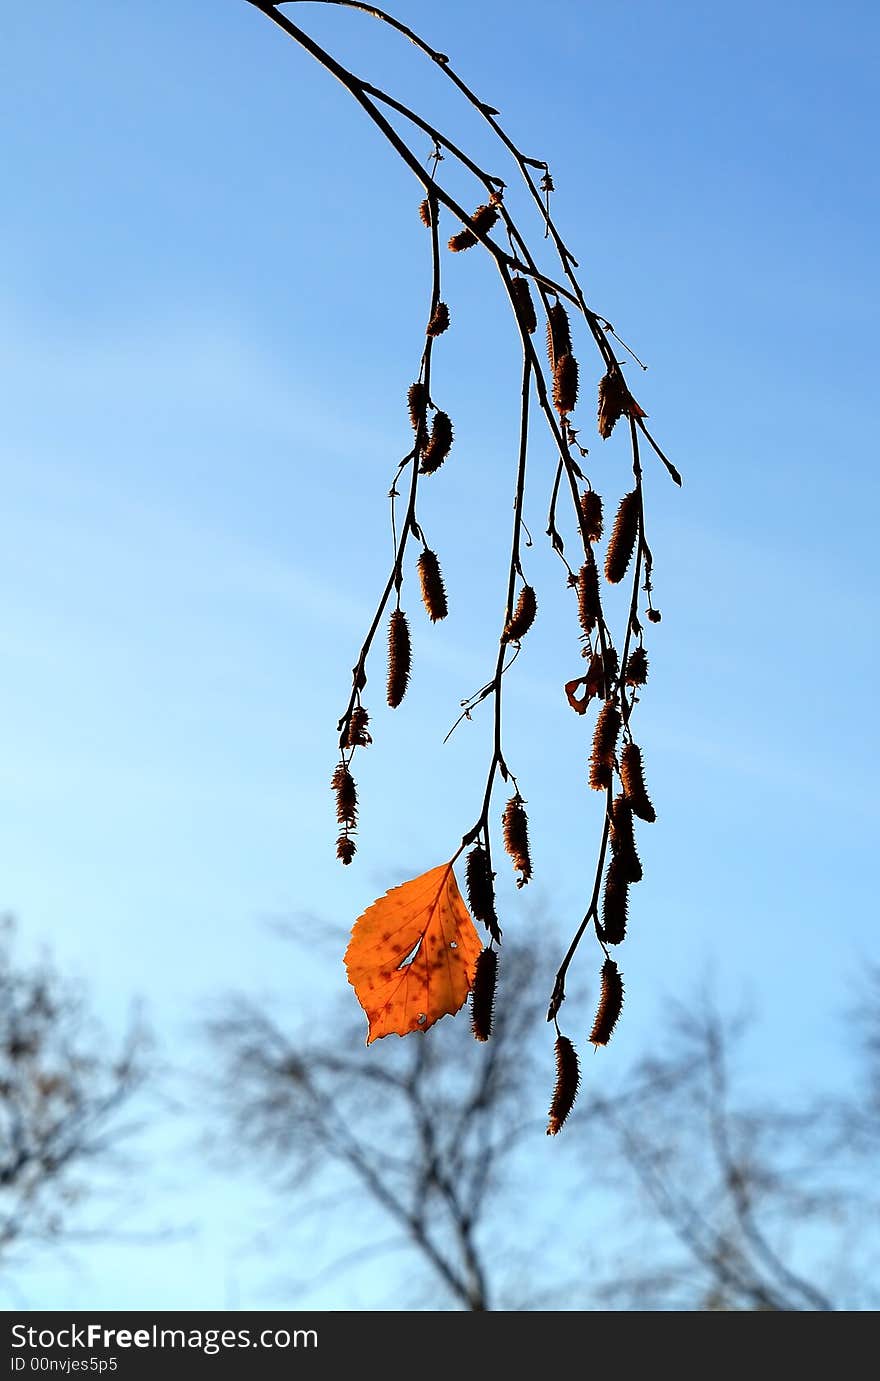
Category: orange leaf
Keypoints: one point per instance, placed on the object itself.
(412, 954)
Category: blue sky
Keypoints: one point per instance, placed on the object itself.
(212, 305)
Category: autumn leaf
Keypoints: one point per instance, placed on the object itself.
(412, 955)
(571, 687)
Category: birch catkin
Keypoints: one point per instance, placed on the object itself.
(481, 890)
(483, 994)
(522, 617)
(610, 1004)
(567, 1080)
(623, 538)
(399, 657)
(604, 743)
(433, 589)
(633, 778)
(439, 444)
(558, 334)
(591, 515)
(515, 828)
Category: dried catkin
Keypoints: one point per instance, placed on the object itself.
(483, 994)
(356, 735)
(623, 538)
(613, 401)
(342, 783)
(425, 213)
(522, 617)
(589, 606)
(637, 667)
(433, 589)
(623, 839)
(525, 307)
(558, 334)
(615, 900)
(439, 320)
(481, 890)
(482, 220)
(438, 446)
(565, 384)
(633, 778)
(417, 398)
(567, 1080)
(604, 741)
(515, 826)
(610, 1003)
(485, 217)
(591, 515)
(399, 657)
(345, 849)
(464, 239)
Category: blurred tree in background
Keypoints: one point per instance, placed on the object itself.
(64, 1098)
(685, 1188)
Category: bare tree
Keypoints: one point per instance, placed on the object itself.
(428, 1132)
(746, 1208)
(714, 1195)
(62, 1093)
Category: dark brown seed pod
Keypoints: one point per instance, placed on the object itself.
(439, 320)
(633, 778)
(483, 994)
(591, 515)
(604, 741)
(637, 667)
(433, 589)
(565, 384)
(615, 902)
(425, 213)
(345, 849)
(558, 334)
(464, 239)
(356, 734)
(613, 401)
(342, 783)
(654, 615)
(567, 1080)
(589, 606)
(485, 217)
(523, 616)
(417, 398)
(623, 538)
(525, 307)
(623, 839)
(399, 657)
(482, 220)
(598, 681)
(481, 890)
(610, 1003)
(438, 446)
(515, 825)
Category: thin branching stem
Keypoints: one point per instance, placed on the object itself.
(381, 107)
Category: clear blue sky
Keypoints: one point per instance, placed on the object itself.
(212, 303)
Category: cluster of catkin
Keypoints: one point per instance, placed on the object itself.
(615, 768)
(432, 443)
(615, 762)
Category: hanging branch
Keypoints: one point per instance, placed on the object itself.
(443, 957)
